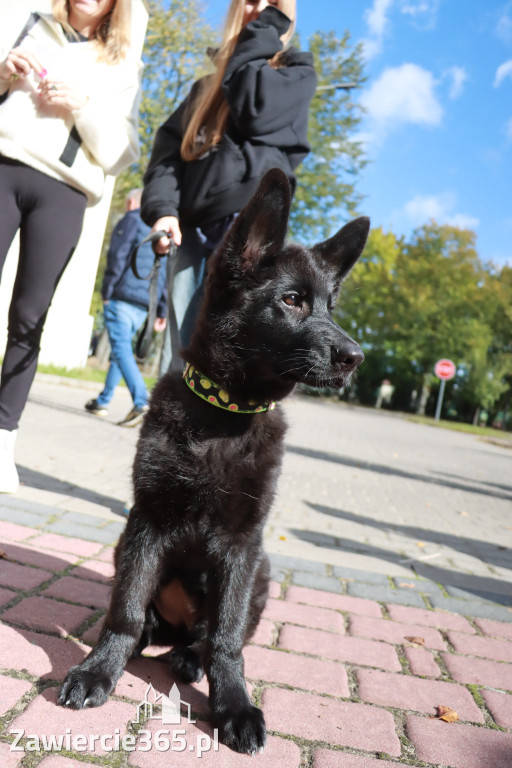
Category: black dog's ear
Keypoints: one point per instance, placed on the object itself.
(341, 251)
(259, 230)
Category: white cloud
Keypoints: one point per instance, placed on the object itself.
(421, 11)
(377, 21)
(504, 25)
(503, 71)
(422, 208)
(458, 77)
(403, 94)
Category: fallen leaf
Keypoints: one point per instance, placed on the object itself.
(464, 513)
(282, 538)
(420, 544)
(2, 553)
(416, 640)
(447, 714)
(407, 585)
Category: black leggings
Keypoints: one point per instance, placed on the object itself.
(49, 215)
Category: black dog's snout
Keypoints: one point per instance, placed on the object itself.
(349, 356)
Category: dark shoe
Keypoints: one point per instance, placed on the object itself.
(98, 410)
(134, 417)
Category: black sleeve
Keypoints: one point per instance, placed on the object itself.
(162, 180)
(263, 100)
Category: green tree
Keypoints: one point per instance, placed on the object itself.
(326, 181)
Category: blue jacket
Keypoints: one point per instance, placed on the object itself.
(119, 282)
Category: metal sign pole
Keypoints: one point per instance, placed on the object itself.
(440, 399)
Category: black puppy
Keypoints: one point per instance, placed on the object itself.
(190, 567)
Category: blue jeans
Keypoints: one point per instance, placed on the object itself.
(122, 321)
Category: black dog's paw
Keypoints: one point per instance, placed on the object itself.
(84, 688)
(186, 665)
(244, 731)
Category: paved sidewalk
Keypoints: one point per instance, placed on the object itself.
(391, 596)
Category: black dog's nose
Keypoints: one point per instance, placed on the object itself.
(349, 356)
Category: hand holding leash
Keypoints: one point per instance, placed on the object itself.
(169, 228)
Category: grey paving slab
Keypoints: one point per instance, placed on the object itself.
(21, 517)
(472, 608)
(385, 594)
(292, 563)
(102, 535)
(418, 585)
(360, 575)
(316, 581)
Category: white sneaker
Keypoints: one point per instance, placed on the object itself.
(9, 480)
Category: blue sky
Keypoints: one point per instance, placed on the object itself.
(438, 130)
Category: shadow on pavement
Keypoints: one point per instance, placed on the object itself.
(42, 482)
(386, 470)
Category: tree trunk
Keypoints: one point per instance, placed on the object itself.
(476, 417)
(425, 392)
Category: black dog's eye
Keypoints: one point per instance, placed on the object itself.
(292, 299)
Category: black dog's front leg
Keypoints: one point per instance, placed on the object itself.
(89, 683)
(241, 725)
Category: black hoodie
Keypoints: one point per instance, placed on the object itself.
(267, 128)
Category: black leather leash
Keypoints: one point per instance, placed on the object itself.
(145, 336)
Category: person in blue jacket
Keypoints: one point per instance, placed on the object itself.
(126, 302)
(209, 156)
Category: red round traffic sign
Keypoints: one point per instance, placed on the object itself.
(445, 369)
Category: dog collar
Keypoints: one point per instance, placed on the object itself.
(208, 390)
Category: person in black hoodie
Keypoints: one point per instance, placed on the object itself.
(126, 302)
(250, 115)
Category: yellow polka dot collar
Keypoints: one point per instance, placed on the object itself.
(207, 390)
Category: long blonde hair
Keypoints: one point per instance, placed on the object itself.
(112, 37)
(210, 111)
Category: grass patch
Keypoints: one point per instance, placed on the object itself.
(88, 373)
(460, 426)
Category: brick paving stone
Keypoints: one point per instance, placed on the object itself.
(94, 569)
(10, 691)
(406, 692)
(500, 706)
(394, 632)
(274, 590)
(385, 594)
(266, 633)
(335, 602)
(90, 593)
(75, 546)
(29, 519)
(6, 595)
(21, 576)
(342, 723)
(49, 615)
(436, 619)
(140, 672)
(57, 761)
(422, 662)
(107, 556)
(418, 585)
(459, 746)
(328, 758)
(288, 669)
(278, 753)
(10, 759)
(495, 628)
(474, 671)
(41, 655)
(276, 575)
(91, 635)
(101, 535)
(472, 608)
(41, 558)
(310, 616)
(352, 650)
(352, 574)
(315, 581)
(43, 716)
(296, 564)
(486, 647)
(15, 532)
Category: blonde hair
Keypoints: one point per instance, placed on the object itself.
(113, 36)
(210, 111)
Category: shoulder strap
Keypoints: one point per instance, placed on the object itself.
(31, 22)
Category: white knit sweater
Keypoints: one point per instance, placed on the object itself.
(78, 148)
